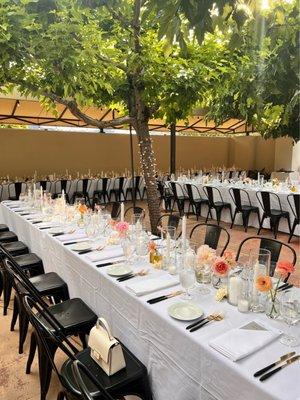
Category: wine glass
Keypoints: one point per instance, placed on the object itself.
(290, 313)
(187, 280)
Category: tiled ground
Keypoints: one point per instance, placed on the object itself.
(16, 385)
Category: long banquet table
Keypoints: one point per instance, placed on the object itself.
(181, 365)
(251, 190)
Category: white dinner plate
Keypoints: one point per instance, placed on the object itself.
(81, 246)
(185, 311)
(119, 269)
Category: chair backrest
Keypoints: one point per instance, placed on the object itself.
(175, 187)
(212, 235)
(119, 183)
(273, 245)
(116, 209)
(135, 210)
(83, 185)
(64, 184)
(236, 197)
(209, 190)
(43, 184)
(189, 190)
(16, 188)
(79, 372)
(1, 191)
(296, 206)
(105, 184)
(169, 220)
(264, 199)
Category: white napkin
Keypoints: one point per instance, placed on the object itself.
(240, 342)
(105, 254)
(150, 285)
(71, 236)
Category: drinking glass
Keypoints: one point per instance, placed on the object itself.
(259, 261)
(128, 247)
(290, 313)
(187, 280)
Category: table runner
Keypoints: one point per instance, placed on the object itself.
(181, 365)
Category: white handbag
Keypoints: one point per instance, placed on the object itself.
(105, 349)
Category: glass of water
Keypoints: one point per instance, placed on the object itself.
(290, 313)
(187, 280)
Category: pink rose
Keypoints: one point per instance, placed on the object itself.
(220, 267)
(122, 227)
(284, 268)
(205, 255)
(229, 256)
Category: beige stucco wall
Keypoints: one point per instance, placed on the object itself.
(283, 154)
(23, 152)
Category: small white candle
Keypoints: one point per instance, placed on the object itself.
(258, 178)
(183, 230)
(255, 276)
(41, 192)
(122, 212)
(235, 286)
(243, 305)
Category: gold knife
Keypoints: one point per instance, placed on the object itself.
(281, 359)
(274, 371)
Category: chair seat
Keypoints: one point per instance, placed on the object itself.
(80, 193)
(200, 201)
(73, 313)
(3, 228)
(47, 284)
(99, 192)
(182, 198)
(133, 371)
(16, 248)
(249, 208)
(8, 236)
(221, 204)
(28, 261)
(278, 213)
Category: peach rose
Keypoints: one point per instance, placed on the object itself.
(205, 255)
(284, 268)
(82, 208)
(151, 246)
(229, 256)
(263, 283)
(220, 267)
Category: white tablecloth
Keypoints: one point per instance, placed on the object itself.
(181, 365)
(253, 220)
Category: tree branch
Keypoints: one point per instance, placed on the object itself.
(75, 110)
(119, 17)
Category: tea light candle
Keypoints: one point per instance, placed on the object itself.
(122, 212)
(235, 286)
(243, 305)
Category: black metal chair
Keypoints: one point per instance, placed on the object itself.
(15, 189)
(165, 195)
(295, 210)
(218, 206)
(115, 210)
(134, 210)
(102, 191)
(132, 379)
(4, 228)
(43, 184)
(1, 192)
(212, 236)
(118, 189)
(244, 209)
(179, 197)
(195, 201)
(82, 190)
(275, 215)
(134, 188)
(274, 246)
(69, 317)
(49, 284)
(62, 185)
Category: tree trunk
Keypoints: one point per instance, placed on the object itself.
(149, 171)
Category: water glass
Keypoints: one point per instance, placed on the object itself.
(259, 261)
(290, 313)
(187, 280)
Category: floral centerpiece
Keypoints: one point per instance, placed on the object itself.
(154, 257)
(122, 228)
(204, 260)
(82, 210)
(220, 269)
(264, 284)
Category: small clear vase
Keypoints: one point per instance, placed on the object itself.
(219, 281)
(272, 307)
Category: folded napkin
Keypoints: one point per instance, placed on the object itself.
(150, 285)
(71, 236)
(106, 254)
(245, 340)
